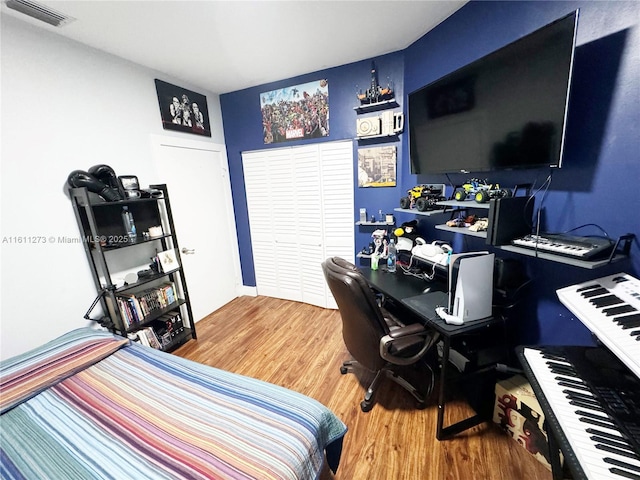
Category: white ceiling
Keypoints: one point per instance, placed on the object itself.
(223, 46)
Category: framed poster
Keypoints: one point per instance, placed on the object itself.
(377, 167)
(295, 113)
(182, 109)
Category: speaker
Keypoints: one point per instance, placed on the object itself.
(509, 218)
(366, 127)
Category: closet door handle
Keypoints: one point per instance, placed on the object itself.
(188, 251)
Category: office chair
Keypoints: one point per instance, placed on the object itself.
(373, 337)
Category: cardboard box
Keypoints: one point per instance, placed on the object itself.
(518, 413)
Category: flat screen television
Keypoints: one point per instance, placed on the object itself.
(506, 110)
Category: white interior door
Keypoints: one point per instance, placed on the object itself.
(197, 178)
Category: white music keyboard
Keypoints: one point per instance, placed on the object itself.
(604, 444)
(610, 308)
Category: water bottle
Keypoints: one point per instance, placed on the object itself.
(129, 224)
(392, 257)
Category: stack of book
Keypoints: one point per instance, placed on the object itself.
(170, 323)
(162, 332)
(148, 338)
(135, 307)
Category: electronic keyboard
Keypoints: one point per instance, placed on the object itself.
(584, 248)
(610, 308)
(591, 402)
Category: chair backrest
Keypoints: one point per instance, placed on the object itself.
(362, 322)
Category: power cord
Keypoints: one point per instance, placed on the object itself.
(424, 276)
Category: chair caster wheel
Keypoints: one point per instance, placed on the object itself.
(366, 406)
(421, 405)
(343, 370)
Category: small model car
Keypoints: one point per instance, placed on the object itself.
(481, 191)
(423, 197)
(483, 196)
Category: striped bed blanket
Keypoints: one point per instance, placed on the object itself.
(92, 405)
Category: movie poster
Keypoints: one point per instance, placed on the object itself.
(295, 113)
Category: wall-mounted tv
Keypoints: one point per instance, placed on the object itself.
(506, 110)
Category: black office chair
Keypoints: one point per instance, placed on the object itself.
(375, 339)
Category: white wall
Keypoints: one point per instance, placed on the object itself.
(64, 107)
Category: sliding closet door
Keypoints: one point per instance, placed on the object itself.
(300, 202)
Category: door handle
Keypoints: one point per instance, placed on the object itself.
(188, 251)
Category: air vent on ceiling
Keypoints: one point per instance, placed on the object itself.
(40, 12)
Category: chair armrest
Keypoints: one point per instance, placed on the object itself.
(412, 329)
(407, 337)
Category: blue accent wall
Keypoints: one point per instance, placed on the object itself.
(243, 132)
(600, 177)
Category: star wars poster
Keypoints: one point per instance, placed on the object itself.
(182, 109)
(299, 112)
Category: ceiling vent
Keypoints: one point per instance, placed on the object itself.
(39, 12)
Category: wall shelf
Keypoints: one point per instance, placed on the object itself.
(383, 224)
(372, 107)
(562, 259)
(464, 204)
(382, 136)
(472, 204)
(413, 211)
(462, 230)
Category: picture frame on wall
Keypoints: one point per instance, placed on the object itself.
(298, 112)
(377, 167)
(183, 110)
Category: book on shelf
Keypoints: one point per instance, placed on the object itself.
(135, 307)
(142, 338)
(173, 322)
(148, 338)
(162, 332)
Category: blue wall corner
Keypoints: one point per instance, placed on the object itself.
(598, 183)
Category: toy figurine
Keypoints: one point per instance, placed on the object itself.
(380, 243)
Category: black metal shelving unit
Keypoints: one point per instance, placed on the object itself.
(104, 239)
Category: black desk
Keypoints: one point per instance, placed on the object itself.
(420, 298)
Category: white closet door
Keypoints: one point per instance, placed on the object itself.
(300, 202)
(263, 242)
(336, 159)
(270, 188)
(309, 221)
(285, 263)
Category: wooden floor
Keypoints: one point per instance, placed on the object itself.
(300, 347)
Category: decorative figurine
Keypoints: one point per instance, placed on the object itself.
(375, 93)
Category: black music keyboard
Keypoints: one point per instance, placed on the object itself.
(583, 248)
(591, 402)
(609, 307)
